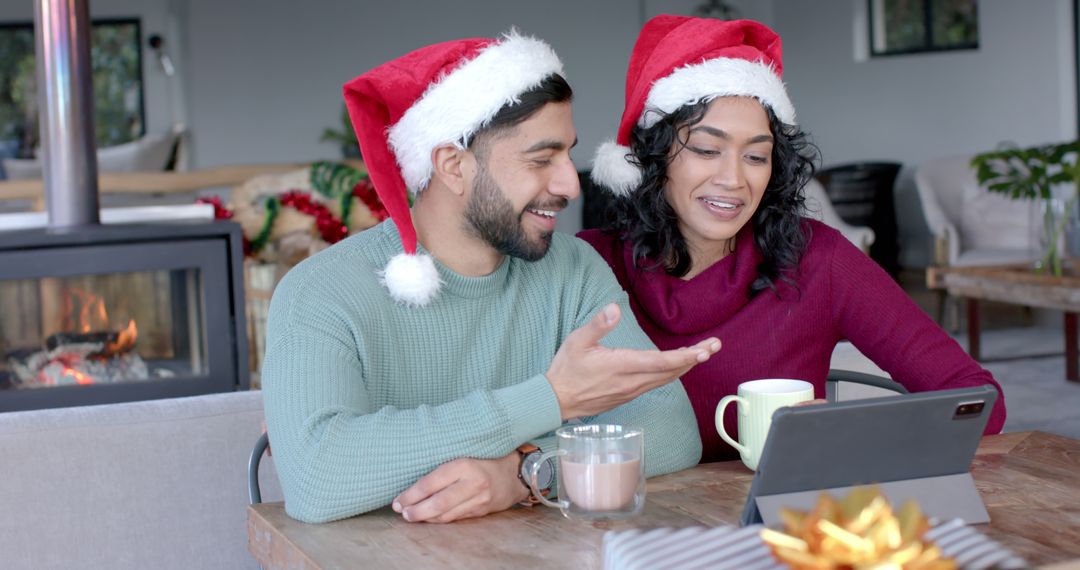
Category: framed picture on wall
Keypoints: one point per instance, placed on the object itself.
(914, 26)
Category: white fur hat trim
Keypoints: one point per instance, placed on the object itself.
(721, 77)
(612, 170)
(411, 279)
(465, 100)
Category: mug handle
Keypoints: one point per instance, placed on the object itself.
(720, 421)
(534, 474)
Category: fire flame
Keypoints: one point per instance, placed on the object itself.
(79, 377)
(93, 316)
(91, 311)
(85, 313)
(125, 340)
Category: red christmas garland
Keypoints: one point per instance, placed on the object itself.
(223, 213)
(331, 229)
(365, 192)
(220, 211)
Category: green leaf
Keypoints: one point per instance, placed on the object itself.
(1026, 173)
(345, 135)
(333, 179)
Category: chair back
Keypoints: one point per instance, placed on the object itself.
(862, 193)
(943, 181)
(254, 492)
(820, 208)
(871, 385)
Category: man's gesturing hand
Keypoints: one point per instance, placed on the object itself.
(463, 488)
(589, 379)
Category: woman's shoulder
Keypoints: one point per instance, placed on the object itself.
(607, 244)
(596, 236)
(828, 249)
(822, 237)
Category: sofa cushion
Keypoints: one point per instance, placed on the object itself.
(156, 484)
(148, 154)
(989, 220)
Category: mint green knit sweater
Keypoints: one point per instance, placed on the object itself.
(364, 396)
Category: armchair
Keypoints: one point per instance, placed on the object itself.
(970, 225)
(819, 207)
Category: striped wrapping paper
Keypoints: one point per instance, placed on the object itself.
(734, 548)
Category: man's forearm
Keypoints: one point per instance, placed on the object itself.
(337, 464)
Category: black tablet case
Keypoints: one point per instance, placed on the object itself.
(914, 446)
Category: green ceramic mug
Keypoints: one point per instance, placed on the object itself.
(757, 400)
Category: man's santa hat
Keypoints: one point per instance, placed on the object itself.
(437, 95)
(680, 60)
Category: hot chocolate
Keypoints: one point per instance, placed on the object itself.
(601, 482)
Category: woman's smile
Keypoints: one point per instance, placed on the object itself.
(722, 207)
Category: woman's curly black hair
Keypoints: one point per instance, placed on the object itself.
(647, 220)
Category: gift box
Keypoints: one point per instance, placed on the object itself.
(734, 548)
(719, 548)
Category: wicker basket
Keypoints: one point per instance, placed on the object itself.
(259, 281)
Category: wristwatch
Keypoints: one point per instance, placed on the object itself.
(530, 455)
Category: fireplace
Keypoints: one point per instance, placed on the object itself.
(91, 313)
(120, 313)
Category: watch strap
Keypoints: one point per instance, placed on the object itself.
(525, 450)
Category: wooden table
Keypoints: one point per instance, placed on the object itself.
(1017, 285)
(1030, 482)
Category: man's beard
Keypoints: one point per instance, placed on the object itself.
(490, 215)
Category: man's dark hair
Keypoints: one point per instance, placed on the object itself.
(553, 89)
(648, 222)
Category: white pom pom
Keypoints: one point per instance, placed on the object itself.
(411, 279)
(612, 171)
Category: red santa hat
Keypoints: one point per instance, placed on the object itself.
(679, 60)
(441, 94)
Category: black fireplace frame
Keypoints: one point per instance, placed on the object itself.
(214, 248)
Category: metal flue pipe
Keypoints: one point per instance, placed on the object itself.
(66, 111)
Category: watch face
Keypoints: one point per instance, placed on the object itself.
(544, 476)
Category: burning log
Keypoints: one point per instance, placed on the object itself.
(82, 358)
(63, 339)
(111, 343)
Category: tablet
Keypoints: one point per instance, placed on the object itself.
(915, 446)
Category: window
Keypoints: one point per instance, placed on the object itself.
(913, 26)
(116, 63)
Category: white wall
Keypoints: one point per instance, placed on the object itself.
(911, 108)
(259, 80)
(1019, 86)
(265, 76)
(267, 96)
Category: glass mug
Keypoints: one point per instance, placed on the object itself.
(757, 401)
(601, 472)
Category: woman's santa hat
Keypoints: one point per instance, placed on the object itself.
(437, 95)
(680, 60)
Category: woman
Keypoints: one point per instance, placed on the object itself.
(710, 238)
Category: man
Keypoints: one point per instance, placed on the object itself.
(421, 363)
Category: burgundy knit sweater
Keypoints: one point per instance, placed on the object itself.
(840, 293)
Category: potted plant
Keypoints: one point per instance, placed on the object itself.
(345, 136)
(1032, 174)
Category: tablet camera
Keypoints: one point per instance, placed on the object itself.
(969, 409)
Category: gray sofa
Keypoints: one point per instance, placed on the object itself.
(157, 484)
